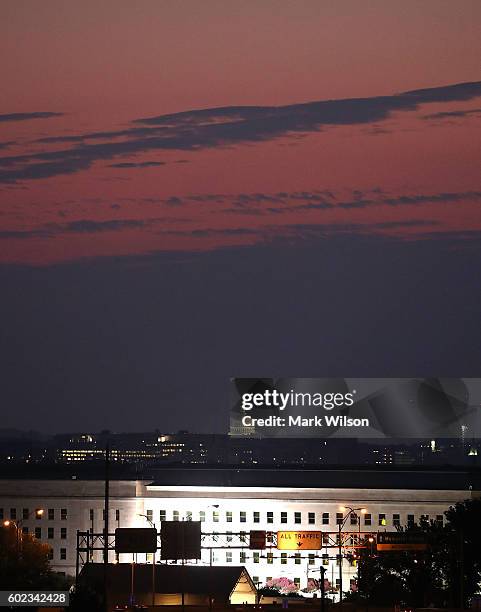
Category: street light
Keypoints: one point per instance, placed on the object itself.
(153, 557)
(17, 524)
(350, 512)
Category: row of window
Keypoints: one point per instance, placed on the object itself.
(323, 518)
(62, 554)
(273, 557)
(27, 513)
(50, 532)
(92, 514)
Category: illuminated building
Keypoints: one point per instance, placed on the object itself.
(234, 501)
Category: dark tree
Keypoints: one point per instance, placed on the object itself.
(24, 563)
(446, 574)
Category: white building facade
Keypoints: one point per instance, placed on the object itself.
(227, 512)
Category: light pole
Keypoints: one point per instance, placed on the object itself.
(153, 558)
(351, 511)
(17, 524)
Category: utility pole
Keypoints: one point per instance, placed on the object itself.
(106, 523)
(322, 569)
(340, 563)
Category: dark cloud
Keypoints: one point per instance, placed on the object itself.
(81, 226)
(42, 170)
(224, 126)
(27, 116)
(88, 226)
(458, 114)
(146, 164)
(302, 231)
(322, 200)
(268, 233)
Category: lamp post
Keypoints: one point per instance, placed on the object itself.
(17, 524)
(351, 511)
(153, 558)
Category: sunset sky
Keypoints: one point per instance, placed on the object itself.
(194, 190)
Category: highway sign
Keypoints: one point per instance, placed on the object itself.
(257, 540)
(388, 541)
(135, 540)
(299, 540)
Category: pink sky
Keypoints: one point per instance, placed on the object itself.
(103, 67)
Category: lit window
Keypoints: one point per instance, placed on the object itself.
(382, 519)
(325, 559)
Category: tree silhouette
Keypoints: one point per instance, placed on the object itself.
(446, 574)
(24, 563)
